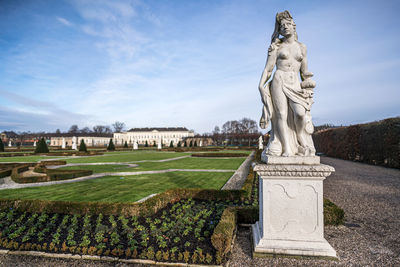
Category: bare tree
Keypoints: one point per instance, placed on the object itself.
(99, 129)
(74, 129)
(86, 130)
(118, 126)
(107, 129)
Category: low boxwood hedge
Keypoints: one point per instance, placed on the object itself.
(51, 174)
(219, 155)
(223, 234)
(5, 172)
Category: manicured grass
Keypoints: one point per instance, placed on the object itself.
(118, 156)
(185, 163)
(127, 156)
(25, 158)
(120, 189)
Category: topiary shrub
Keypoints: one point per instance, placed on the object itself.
(179, 144)
(111, 146)
(146, 144)
(41, 147)
(126, 144)
(1, 145)
(191, 143)
(333, 215)
(82, 146)
(195, 143)
(171, 144)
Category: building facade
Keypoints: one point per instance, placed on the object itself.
(90, 139)
(153, 135)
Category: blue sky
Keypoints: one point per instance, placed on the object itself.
(187, 63)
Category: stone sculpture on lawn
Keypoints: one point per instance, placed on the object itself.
(291, 178)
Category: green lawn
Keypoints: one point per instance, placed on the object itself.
(127, 156)
(120, 189)
(25, 158)
(118, 156)
(185, 163)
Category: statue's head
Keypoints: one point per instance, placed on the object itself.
(284, 25)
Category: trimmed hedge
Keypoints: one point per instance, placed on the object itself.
(375, 143)
(148, 207)
(51, 174)
(188, 149)
(52, 162)
(223, 234)
(5, 172)
(10, 154)
(57, 175)
(219, 155)
(333, 215)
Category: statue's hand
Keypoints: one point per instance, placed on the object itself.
(308, 84)
(307, 74)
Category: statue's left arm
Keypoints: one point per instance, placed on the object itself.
(304, 64)
(306, 75)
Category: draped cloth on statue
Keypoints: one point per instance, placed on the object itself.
(289, 83)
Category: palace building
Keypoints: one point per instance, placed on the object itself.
(151, 135)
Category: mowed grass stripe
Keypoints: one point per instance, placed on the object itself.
(115, 189)
(185, 163)
(128, 157)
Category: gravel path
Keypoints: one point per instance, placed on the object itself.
(370, 197)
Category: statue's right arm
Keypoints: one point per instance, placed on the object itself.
(269, 67)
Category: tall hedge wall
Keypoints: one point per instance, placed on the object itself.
(374, 143)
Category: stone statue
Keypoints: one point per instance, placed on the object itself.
(260, 143)
(135, 145)
(74, 143)
(287, 100)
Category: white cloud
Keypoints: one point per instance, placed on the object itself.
(64, 21)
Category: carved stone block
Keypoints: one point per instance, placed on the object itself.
(291, 210)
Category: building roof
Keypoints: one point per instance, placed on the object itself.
(110, 135)
(160, 129)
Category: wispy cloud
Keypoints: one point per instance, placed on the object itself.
(64, 21)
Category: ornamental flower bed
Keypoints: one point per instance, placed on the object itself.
(181, 232)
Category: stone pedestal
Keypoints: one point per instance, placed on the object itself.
(291, 218)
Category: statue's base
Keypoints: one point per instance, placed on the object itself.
(291, 218)
(297, 160)
(262, 246)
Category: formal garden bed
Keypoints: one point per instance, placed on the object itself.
(37, 172)
(180, 232)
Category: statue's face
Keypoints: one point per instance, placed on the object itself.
(286, 28)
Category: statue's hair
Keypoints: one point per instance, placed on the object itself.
(285, 15)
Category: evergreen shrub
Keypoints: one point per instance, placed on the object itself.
(82, 146)
(111, 146)
(1, 145)
(41, 147)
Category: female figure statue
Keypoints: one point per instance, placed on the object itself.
(287, 101)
